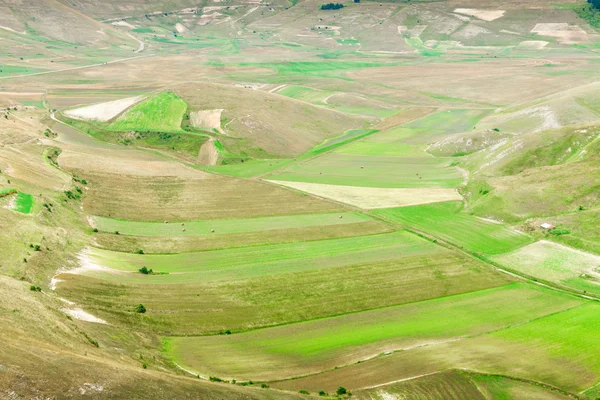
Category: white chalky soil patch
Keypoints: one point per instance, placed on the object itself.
(103, 111)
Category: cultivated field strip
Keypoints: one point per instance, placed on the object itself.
(226, 226)
(446, 221)
(314, 346)
(178, 244)
(173, 198)
(257, 261)
(243, 288)
(558, 349)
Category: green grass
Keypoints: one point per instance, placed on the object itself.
(8, 70)
(351, 42)
(33, 103)
(347, 137)
(245, 288)
(227, 226)
(312, 346)
(23, 203)
(448, 222)
(259, 261)
(161, 113)
(293, 90)
(249, 168)
(390, 159)
(326, 69)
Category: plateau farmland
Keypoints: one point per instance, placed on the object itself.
(295, 200)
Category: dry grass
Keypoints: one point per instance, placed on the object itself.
(205, 197)
(372, 198)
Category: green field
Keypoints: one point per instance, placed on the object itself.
(227, 226)
(448, 222)
(161, 113)
(250, 168)
(261, 261)
(347, 137)
(558, 349)
(309, 347)
(23, 203)
(263, 285)
(394, 158)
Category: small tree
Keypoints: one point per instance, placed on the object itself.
(341, 390)
(140, 309)
(144, 270)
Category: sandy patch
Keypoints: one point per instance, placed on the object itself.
(79, 314)
(372, 198)
(180, 28)
(486, 15)
(103, 111)
(123, 23)
(208, 155)
(563, 32)
(207, 119)
(532, 44)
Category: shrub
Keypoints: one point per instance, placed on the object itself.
(95, 230)
(139, 251)
(341, 390)
(116, 232)
(264, 386)
(35, 288)
(322, 393)
(215, 379)
(332, 6)
(140, 309)
(304, 392)
(146, 271)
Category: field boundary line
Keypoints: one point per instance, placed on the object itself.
(502, 268)
(76, 68)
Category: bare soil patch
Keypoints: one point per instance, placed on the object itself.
(209, 155)
(207, 119)
(562, 31)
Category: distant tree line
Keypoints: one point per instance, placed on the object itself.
(337, 6)
(595, 3)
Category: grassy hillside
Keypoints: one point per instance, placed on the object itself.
(161, 113)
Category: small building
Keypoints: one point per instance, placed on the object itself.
(546, 225)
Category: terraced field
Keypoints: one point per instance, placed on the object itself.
(448, 221)
(247, 200)
(252, 284)
(309, 347)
